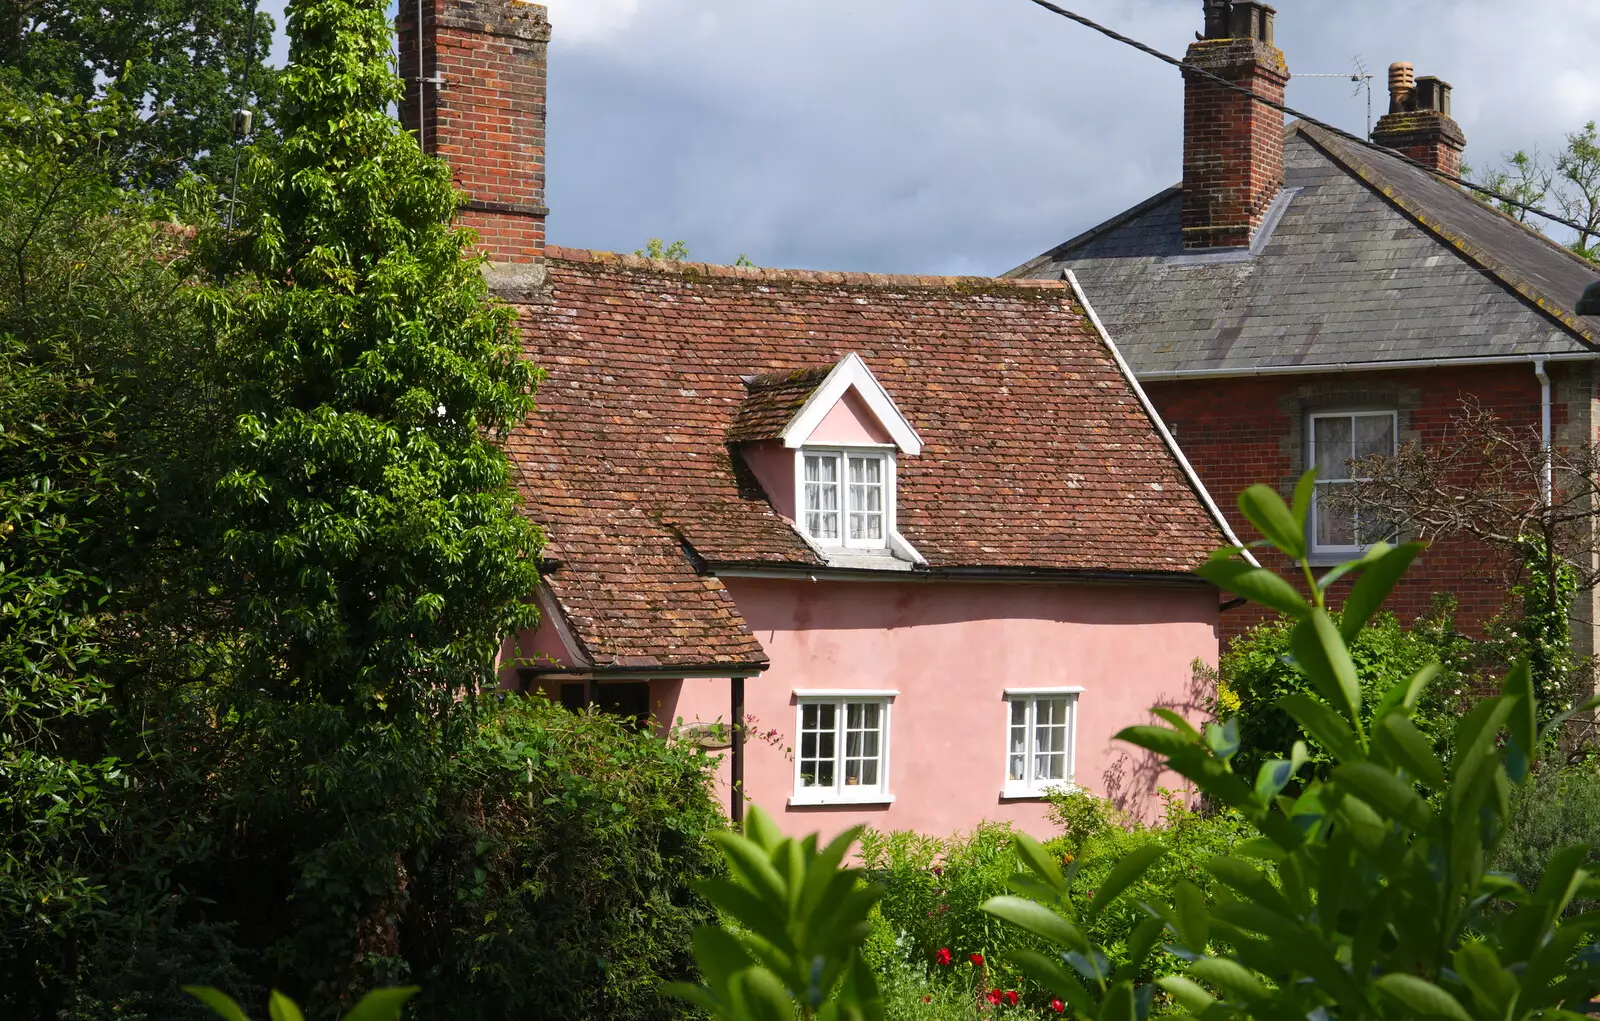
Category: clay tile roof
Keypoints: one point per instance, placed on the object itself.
(774, 399)
(1037, 454)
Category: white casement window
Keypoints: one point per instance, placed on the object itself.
(846, 497)
(1338, 526)
(843, 752)
(1041, 740)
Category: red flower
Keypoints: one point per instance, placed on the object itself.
(976, 959)
(1058, 1006)
(938, 870)
(927, 999)
(943, 956)
(1011, 997)
(994, 997)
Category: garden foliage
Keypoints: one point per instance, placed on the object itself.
(1369, 893)
(793, 950)
(1258, 672)
(259, 551)
(931, 919)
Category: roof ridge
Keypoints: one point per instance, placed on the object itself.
(766, 275)
(1392, 192)
(1059, 251)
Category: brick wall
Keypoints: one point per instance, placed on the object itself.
(1237, 432)
(487, 115)
(1427, 136)
(1232, 145)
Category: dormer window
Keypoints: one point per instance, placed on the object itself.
(824, 443)
(846, 497)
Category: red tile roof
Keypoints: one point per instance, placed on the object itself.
(774, 399)
(1038, 455)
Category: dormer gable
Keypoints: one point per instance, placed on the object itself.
(823, 444)
(851, 401)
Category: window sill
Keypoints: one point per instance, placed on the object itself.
(1333, 558)
(1038, 794)
(829, 800)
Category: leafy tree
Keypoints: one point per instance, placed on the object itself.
(91, 321)
(1570, 179)
(182, 63)
(368, 555)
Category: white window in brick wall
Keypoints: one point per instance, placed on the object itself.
(1338, 526)
(842, 756)
(1041, 740)
(846, 497)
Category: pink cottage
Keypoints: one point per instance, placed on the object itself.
(922, 538)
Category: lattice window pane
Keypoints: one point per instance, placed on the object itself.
(1039, 741)
(822, 496)
(1017, 745)
(866, 498)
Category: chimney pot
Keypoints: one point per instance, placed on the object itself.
(1419, 125)
(1433, 94)
(1252, 20)
(1402, 83)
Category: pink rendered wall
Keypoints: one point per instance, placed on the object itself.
(540, 646)
(773, 466)
(951, 650)
(850, 421)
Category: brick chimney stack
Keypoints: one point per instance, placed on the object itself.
(1232, 145)
(482, 86)
(1418, 123)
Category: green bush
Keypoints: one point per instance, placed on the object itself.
(1258, 671)
(1559, 807)
(935, 889)
(1368, 893)
(562, 884)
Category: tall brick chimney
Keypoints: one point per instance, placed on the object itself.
(481, 79)
(1418, 123)
(1232, 145)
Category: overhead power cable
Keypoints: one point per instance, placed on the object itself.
(1291, 111)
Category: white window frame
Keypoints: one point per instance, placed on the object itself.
(841, 793)
(1030, 787)
(843, 452)
(1316, 549)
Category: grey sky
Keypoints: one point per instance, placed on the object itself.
(935, 136)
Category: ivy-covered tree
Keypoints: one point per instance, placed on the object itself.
(184, 64)
(368, 547)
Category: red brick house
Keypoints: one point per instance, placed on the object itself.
(926, 531)
(1299, 299)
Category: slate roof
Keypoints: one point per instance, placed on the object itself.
(1372, 261)
(1038, 455)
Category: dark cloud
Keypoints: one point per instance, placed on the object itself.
(935, 136)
